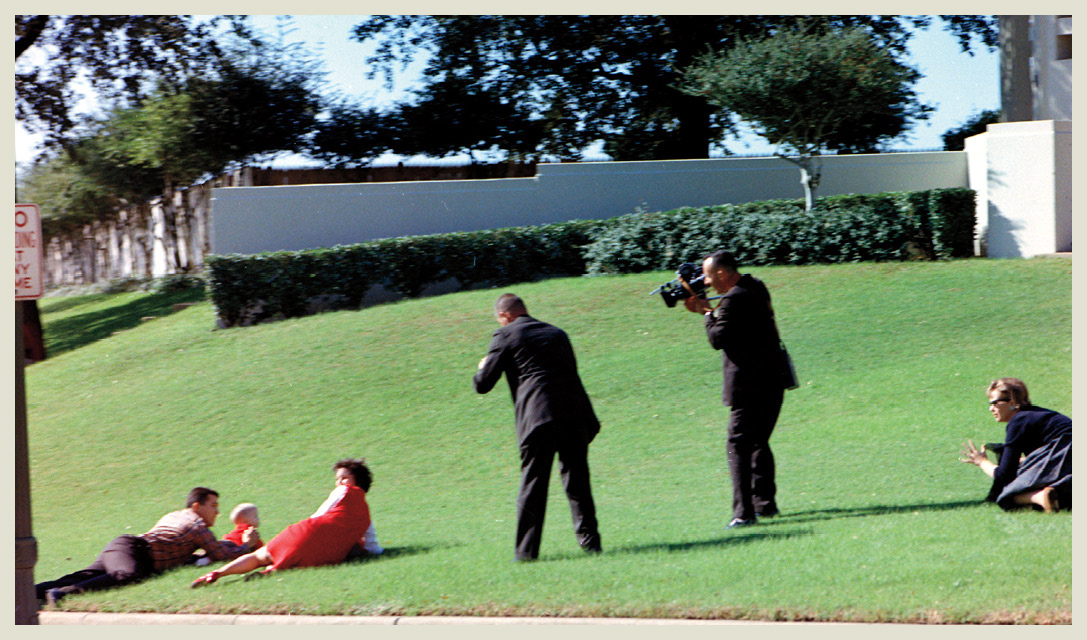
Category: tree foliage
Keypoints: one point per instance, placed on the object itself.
(453, 118)
(121, 57)
(955, 138)
(261, 99)
(67, 193)
(812, 92)
(809, 92)
(579, 79)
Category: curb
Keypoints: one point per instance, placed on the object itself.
(82, 618)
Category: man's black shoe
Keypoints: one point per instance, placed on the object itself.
(767, 513)
(590, 544)
(740, 522)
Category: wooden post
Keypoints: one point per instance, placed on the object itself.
(26, 547)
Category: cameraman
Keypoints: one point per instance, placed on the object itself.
(755, 373)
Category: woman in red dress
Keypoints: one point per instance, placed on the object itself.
(326, 537)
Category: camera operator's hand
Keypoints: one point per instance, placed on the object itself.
(697, 304)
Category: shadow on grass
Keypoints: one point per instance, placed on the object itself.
(759, 534)
(863, 512)
(746, 536)
(68, 334)
(389, 553)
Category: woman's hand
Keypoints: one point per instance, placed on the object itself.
(973, 455)
(977, 457)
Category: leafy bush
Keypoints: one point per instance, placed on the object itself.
(251, 288)
(849, 228)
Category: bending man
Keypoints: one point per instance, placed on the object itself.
(553, 416)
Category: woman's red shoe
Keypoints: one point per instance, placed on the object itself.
(205, 579)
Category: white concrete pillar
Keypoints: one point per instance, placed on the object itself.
(1025, 206)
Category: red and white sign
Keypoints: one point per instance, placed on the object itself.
(28, 252)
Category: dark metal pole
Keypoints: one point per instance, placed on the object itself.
(26, 547)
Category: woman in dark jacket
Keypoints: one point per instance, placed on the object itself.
(1035, 465)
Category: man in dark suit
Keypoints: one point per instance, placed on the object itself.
(755, 376)
(553, 414)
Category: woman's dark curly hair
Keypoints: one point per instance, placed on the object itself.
(358, 470)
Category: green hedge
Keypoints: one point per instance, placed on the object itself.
(932, 224)
(250, 288)
(929, 225)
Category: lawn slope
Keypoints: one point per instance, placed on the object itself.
(880, 522)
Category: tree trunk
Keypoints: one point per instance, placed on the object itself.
(810, 172)
(692, 138)
(809, 195)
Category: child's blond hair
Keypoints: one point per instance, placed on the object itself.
(246, 510)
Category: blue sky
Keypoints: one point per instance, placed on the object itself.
(956, 84)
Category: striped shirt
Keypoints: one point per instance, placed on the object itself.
(176, 535)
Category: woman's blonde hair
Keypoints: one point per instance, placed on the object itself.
(1015, 389)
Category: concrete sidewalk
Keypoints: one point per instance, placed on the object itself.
(81, 618)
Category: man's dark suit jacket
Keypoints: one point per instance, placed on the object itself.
(743, 328)
(541, 370)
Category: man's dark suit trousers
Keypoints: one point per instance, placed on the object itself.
(750, 461)
(124, 560)
(537, 453)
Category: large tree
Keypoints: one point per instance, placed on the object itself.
(580, 79)
(259, 100)
(808, 92)
(117, 56)
(68, 194)
(453, 118)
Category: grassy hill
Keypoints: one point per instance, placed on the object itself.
(880, 522)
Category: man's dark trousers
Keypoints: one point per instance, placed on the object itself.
(538, 451)
(750, 461)
(125, 559)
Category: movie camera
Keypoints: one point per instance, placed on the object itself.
(689, 281)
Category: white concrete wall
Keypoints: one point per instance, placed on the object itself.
(1051, 67)
(1025, 189)
(257, 219)
(977, 150)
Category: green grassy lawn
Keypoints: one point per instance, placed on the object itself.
(880, 522)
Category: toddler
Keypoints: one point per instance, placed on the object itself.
(244, 516)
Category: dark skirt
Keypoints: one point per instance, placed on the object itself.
(1047, 466)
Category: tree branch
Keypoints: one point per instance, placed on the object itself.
(34, 28)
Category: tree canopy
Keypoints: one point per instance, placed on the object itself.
(260, 99)
(119, 56)
(68, 195)
(810, 92)
(578, 79)
(837, 91)
(955, 138)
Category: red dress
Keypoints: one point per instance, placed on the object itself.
(325, 537)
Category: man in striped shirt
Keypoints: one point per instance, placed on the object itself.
(170, 543)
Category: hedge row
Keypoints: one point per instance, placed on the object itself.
(250, 288)
(850, 228)
(893, 226)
